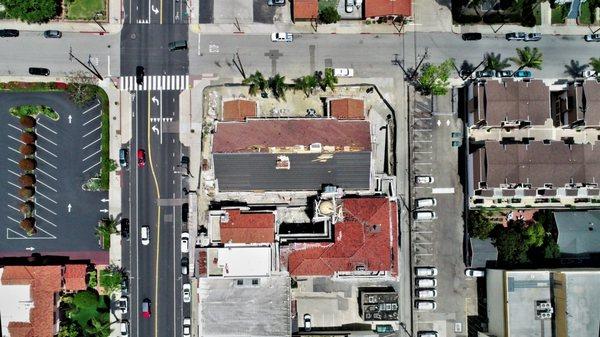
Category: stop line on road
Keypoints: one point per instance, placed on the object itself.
(159, 82)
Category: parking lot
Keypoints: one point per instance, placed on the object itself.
(439, 242)
(68, 154)
(238, 11)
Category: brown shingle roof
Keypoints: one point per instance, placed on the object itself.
(75, 277)
(238, 110)
(591, 92)
(511, 100)
(262, 134)
(387, 7)
(305, 9)
(347, 108)
(248, 227)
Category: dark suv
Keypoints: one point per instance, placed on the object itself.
(9, 33)
(39, 71)
(139, 75)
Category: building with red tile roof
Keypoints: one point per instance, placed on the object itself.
(238, 110)
(247, 227)
(75, 275)
(305, 9)
(347, 108)
(374, 8)
(365, 241)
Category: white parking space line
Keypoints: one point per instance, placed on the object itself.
(43, 183)
(89, 133)
(14, 173)
(15, 185)
(47, 128)
(48, 140)
(88, 110)
(44, 172)
(47, 197)
(37, 204)
(14, 161)
(10, 148)
(91, 155)
(13, 207)
(40, 158)
(44, 149)
(17, 221)
(91, 167)
(48, 221)
(14, 196)
(93, 119)
(90, 144)
(17, 139)
(15, 127)
(45, 231)
(14, 232)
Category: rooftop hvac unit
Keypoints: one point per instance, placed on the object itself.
(283, 163)
(316, 147)
(326, 207)
(225, 217)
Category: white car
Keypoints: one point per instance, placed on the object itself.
(425, 293)
(145, 234)
(425, 305)
(282, 37)
(307, 322)
(187, 325)
(592, 38)
(424, 215)
(343, 72)
(124, 328)
(425, 271)
(349, 6)
(425, 282)
(123, 304)
(424, 180)
(588, 73)
(470, 272)
(185, 242)
(187, 293)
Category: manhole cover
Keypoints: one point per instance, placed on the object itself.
(133, 36)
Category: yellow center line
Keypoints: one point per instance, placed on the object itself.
(157, 217)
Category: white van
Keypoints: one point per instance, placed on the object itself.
(425, 305)
(145, 234)
(425, 271)
(425, 282)
(425, 202)
(424, 215)
(425, 293)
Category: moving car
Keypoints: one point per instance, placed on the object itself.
(471, 36)
(425, 305)
(146, 308)
(39, 71)
(187, 325)
(123, 154)
(141, 158)
(343, 72)
(125, 228)
(425, 282)
(145, 234)
(424, 215)
(470, 272)
(123, 304)
(349, 6)
(282, 37)
(516, 36)
(178, 45)
(425, 271)
(187, 293)
(53, 34)
(485, 73)
(533, 37)
(185, 262)
(592, 38)
(139, 75)
(124, 328)
(424, 179)
(427, 334)
(425, 202)
(9, 33)
(307, 322)
(185, 242)
(522, 73)
(504, 73)
(425, 293)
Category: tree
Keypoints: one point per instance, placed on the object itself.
(28, 137)
(85, 300)
(479, 225)
(306, 83)
(27, 149)
(27, 122)
(28, 225)
(69, 329)
(26, 207)
(31, 11)
(534, 235)
(329, 14)
(81, 88)
(595, 65)
(551, 249)
(511, 245)
(434, 78)
(278, 86)
(528, 58)
(27, 179)
(26, 192)
(328, 80)
(257, 83)
(110, 278)
(574, 69)
(495, 62)
(27, 164)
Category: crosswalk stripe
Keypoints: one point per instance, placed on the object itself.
(158, 82)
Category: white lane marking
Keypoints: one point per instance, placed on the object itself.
(91, 155)
(92, 143)
(44, 172)
(48, 221)
(10, 148)
(15, 185)
(14, 232)
(9, 159)
(47, 128)
(91, 120)
(43, 183)
(17, 139)
(91, 167)
(88, 110)
(14, 173)
(14, 196)
(48, 140)
(37, 204)
(89, 133)
(47, 197)
(15, 127)
(13, 207)
(40, 158)
(44, 149)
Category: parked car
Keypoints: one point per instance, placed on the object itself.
(533, 37)
(187, 326)
(145, 234)
(125, 284)
(470, 272)
(504, 73)
(185, 209)
(427, 334)
(53, 34)
(141, 158)
(485, 73)
(592, 38)
(425, 282)
(343, 72)
(516, 36)
(471, 36)
(425, 271)
(349, 6)
(424, 179)
(384, 328)
(307, 322)
(125, 228)
(275, 2)
(178, 45)
(425, 293)
(124, 328)
(39, 71)
(9, 33)
(424, 215)
(185, 262)
(425, 305)
(282, 37)
(187, 293)
(123, 304)
(123, 155)
(588, 73)
(522, 73)
(425, 202)
(146, 308)
(185, 242)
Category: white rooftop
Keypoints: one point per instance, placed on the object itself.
(15, 304)
(237, 261)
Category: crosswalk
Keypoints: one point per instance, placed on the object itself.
(164, 119)
(159, 82)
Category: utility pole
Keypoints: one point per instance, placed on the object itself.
(425, 56)
(98, 23)
(238, 64)
(93, 71)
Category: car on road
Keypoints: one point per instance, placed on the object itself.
(588, 73)
(124, 328)
(424, 180)
(427, 334)
(426, 271)
(185, 242)
(592, 38)
(39, 71)
(516, 36)
(187, 326)
(9, 33)
(123, 155)
(125, 228)
(425, 202)
(276, 2)
(53, 34)
(187, 293)
(146, 308)
(178, 45)
(343, 72)
(125, 284)
(485, 73)
(425, 282)
(185, 209)
(139, 75)
(185, 263)
(349, 6)
(141, 158)
(504, 73)
(425, 305)
(424, 215)
(145, 234)
(522, 73)
(425, 293)
(533, 37)
(307, 322)
(470, 272)
(282, 37)
(471, 36)
(123, 304)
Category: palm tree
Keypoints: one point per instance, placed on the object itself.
(278, 86)
(528, 58)
(574, 69)
(306, 83)
(257, 83)
(495, 62)
(328, 80)
(595, 65)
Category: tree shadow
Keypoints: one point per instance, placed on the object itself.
(574, 68)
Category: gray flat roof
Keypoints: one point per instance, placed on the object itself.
(308, 171)
(226, 309)
(524, 288)
(583, 307)
(578, 232)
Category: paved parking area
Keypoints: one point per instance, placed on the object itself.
(439, 243)
(238, 11)
(68, 154)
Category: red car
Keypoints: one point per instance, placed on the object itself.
(146, 312)
(141, 158)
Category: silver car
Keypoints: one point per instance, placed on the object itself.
(533, 37)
